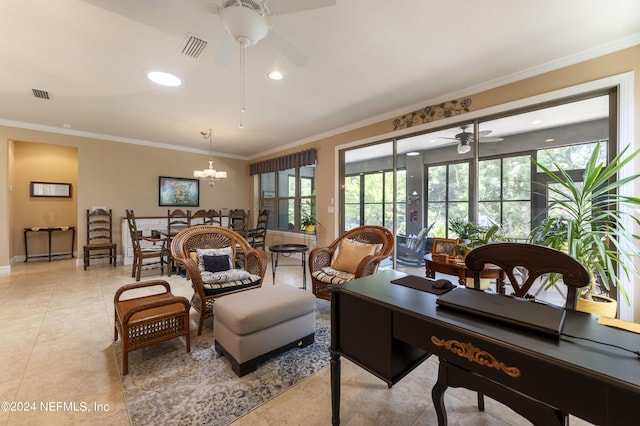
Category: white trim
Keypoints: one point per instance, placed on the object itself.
(625, 133)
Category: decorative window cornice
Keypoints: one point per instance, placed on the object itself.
(432, 113)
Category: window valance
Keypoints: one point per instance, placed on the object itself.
(290, 161)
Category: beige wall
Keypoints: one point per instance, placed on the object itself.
(118, 175)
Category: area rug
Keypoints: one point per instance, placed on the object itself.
(167, 385)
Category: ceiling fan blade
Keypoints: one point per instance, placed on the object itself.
(285, 47)
(281, 7)
(492, 139)
(197, 6)
(225, 51)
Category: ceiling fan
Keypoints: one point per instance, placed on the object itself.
(465, 139)
(245, 23)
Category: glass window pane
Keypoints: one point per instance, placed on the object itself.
(437, 183)
(489, 180)
(287, 183)
(373, 214)
(572, 157)
(373, 190)
(286, 214)
(268, 185)
(516, 219)
(459, 182)
(437, 214)
(307, 181)
(489, 213)
(352, 216)
(517, 178)
(352, 189)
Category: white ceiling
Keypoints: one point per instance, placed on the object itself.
(366, 58)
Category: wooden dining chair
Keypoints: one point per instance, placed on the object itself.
(177, 220)
(100, 243)
(523, 264)
(148, 252)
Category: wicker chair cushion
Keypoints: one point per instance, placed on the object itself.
(351, 254)
(226, 251)
(216, 287)
(347, 276)
(224, 276)
(321, 275)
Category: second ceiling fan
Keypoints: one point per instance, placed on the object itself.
(465, 139)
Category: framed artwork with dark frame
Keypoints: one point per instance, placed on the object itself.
(178, 192)
(444, 246)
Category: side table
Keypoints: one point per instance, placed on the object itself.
(460, 270)
(287, 250)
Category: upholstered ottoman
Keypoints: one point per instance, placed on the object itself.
(252, 326)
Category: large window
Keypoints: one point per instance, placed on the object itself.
(288, 194)
(369, 199)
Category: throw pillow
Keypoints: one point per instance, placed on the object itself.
(351, 254)
(226, 251)
(216, 263)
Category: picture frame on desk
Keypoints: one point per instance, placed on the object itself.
(181, 192)
(443, 247)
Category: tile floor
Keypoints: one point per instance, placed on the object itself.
(58, 366)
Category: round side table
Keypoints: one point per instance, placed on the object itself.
(287, 250)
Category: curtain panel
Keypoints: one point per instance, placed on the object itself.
(290, 161)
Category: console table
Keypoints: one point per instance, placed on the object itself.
(49, 231)
(598, 383)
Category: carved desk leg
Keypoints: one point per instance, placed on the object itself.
(437, 394)
(335, 388)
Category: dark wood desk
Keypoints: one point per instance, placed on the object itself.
(49, 231)
(597, 383)
(452, 267)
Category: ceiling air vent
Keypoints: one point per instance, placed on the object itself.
(40, 94)
(193, 46)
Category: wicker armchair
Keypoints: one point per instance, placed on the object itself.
(321, 259)
(184, 250)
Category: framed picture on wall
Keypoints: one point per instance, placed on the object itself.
(179, 192)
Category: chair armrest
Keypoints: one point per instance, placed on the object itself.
(256, 262)
(369, 265)
(319, 258)
(157, 304)
(133, 286)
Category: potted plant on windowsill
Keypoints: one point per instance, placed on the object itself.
(308, 222)
(590, 224)
(308, 216)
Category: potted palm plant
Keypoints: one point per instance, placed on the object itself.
(590, 225)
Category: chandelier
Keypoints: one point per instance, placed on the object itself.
(210, 174)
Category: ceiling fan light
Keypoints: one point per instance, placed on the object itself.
(463, 148)
(244, 24)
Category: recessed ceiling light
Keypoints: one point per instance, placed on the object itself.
(549, 140)
(276, 75)
(412, 153)
(536, 122)
(164, 78)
